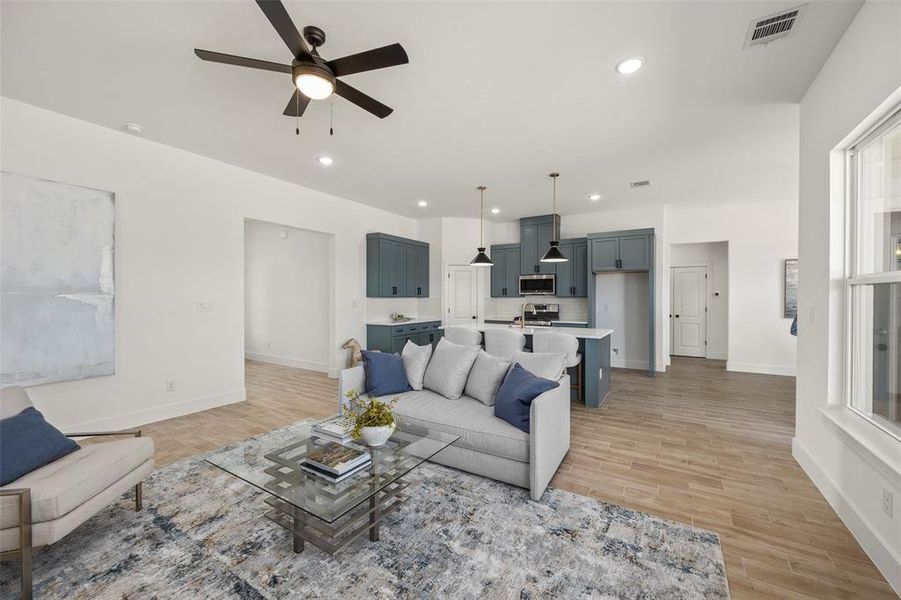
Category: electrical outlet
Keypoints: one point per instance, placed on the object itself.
(170, 386)
(204, 306)
(268, 346)
(811, 314)
(887, 502)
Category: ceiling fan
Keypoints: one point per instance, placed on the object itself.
(315, 78)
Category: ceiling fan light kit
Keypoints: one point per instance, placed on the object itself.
(314, 77)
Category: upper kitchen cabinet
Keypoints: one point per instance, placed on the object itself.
(535, 234)
(505, 272)
(572, 275)
(396, 267)
(621, 250)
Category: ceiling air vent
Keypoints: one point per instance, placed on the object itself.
(772, 27)
(638, 184)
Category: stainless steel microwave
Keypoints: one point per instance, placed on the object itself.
(537, 285)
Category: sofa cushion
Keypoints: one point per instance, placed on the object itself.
(466, 417)
(416, 359)
(485, 377)
(449, 368)
(67, 483)
(28, 442)
(514, 398)
(13, 400)
(385, 374)
(547, 365)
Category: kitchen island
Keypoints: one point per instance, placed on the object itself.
(594, 345)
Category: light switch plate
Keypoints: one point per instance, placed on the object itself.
(887, 503)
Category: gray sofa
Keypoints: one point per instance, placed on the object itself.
(488, 446)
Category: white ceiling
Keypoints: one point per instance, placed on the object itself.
(495, 93)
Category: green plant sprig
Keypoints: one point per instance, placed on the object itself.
(370, 412)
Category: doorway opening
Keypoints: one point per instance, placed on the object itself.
(699, 308)
(288, 299)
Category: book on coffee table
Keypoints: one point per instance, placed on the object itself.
(314, 470)
(338, 428)
(336, 459)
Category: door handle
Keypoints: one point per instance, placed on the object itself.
(473, 316)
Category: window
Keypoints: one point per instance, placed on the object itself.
(874, 282)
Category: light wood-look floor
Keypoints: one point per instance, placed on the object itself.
(697, 444)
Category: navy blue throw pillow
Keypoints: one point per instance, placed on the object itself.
(385, 373)
(514, 397)
(28, 442)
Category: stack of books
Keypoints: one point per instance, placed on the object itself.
(335, 462)
(337, 428)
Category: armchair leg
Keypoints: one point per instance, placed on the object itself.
(139, 499)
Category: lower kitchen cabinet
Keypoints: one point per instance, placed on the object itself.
(392, 338)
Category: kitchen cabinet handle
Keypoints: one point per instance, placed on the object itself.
(419, 291)
(394, 290)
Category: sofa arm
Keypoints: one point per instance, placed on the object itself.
(549, 436)
(350, 379)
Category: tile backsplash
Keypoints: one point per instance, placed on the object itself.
(381, 308)
(571, 309)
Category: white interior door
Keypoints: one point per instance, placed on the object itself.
(462, 295)
(689, 311)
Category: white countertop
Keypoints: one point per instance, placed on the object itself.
(413, 321)
(579, 332)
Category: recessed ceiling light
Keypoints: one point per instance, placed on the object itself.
(422, 204)
(594, 197)
(495, 210)
(133, 128)
(630, 65)
(325, 161)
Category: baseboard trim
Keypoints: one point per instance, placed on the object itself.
(888, 563)
(716, 356)
(161, 413)
(309, 365)
(740, 367)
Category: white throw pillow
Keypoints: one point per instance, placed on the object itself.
(449, 368)
(416, 359)
(548, 365)
(485, 377)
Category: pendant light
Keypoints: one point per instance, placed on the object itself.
(481, 259)
(553, 255)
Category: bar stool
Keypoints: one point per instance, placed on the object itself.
(549, 341)
(503, 342)
(464, 336)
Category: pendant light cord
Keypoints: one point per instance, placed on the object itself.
(554, 177)
(481, 189)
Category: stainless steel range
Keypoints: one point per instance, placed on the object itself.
(544, 315)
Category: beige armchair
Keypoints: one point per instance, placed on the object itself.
(45, 505)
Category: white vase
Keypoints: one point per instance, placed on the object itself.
(376, 436)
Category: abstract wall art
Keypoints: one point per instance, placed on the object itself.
(57, 291)
(790, 300)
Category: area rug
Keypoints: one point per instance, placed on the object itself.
(202, 534)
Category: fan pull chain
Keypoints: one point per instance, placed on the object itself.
(297, 114)
(331, 119)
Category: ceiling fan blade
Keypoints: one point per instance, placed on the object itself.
(296, 105)
(277, 14)
(241, 61)
(362, 100)
(378, 58)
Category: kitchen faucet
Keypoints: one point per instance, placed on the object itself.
(522, 315)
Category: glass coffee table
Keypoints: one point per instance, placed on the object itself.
(329, 515)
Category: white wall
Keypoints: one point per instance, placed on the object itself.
(849, 461)
(714, 256)
(760, 236)
(179, 240)
(286, 295)
(621, 304)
